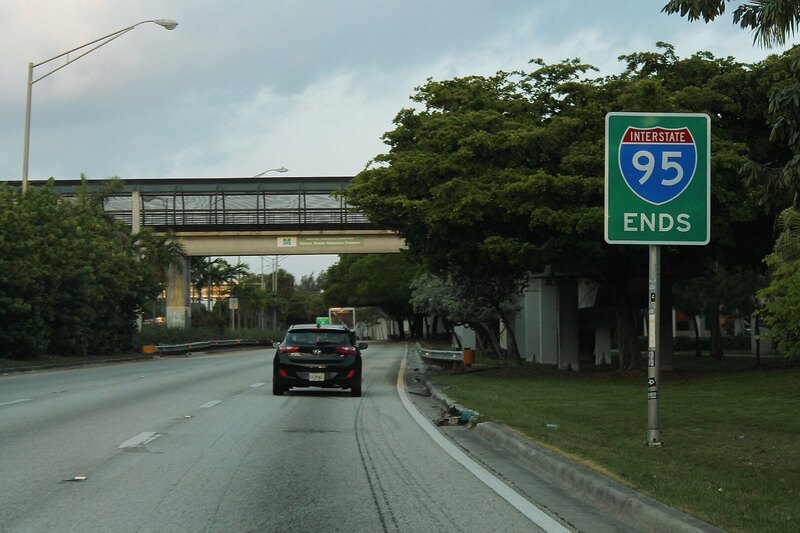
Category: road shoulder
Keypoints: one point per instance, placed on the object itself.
(583, 498)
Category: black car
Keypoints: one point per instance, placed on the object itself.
(314, 355)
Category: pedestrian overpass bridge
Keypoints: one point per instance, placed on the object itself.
(303, 215)
(245, 216)
(240, 217)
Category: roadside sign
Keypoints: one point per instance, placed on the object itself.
(658, 178)
(323, 321)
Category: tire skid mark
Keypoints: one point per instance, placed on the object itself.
(372, 445)
(424, 498)
(378, 492)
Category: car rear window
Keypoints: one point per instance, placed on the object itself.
(319, 338)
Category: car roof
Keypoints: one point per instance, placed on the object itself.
(329, 327)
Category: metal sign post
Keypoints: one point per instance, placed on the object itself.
(658, 183)
(233, 305)
(653, 360)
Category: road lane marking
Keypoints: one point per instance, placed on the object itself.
(532, 512)
(140, 440)
(256, 385)
(212, 403)
(15, 402)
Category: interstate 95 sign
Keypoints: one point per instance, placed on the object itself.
(657, 178)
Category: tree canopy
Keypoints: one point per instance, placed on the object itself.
(372, 280)
(490, 179)
(72, 279)
(771, 21)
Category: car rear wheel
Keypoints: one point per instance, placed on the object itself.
(277, 390)
(355, 390)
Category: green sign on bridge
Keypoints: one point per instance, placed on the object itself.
(658, 178)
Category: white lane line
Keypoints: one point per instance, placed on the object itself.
(140, 440)
(533, 513)
(256, 385)
(15, 402)
(212, 403)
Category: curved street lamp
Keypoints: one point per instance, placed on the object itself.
(164, 23)
(275, 258)
(282, 169)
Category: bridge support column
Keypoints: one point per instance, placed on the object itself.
(136, 212)
(179, 310)
(568, 331)
(602, 345)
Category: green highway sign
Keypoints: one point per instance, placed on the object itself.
(658, 178)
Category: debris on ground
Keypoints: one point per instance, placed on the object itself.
(453, 416)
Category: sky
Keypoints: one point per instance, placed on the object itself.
(241, 86)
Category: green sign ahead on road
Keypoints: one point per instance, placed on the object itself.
(658, 178)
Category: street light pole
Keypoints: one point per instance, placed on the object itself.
(262, 318)
(164, 23)
(274, 261)
(275, 291)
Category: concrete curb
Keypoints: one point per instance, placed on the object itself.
(74, 364)
(637, 510)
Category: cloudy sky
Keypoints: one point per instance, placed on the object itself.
(241, 86)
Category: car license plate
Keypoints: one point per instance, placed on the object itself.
(316, 376)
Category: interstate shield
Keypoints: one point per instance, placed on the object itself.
(657, 163)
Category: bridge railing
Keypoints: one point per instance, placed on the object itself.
(250, 218)
(220, 204)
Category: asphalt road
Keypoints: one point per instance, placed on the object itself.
(200, 444)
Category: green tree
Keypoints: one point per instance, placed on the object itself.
(733, 95)
(161, 253)
(73, 279)
(772, 21)
(209, 273)
(782, 296)
(460, 171)
(308, 301)
(253, 300)
(457, 304)
(374, 280)
(494, 178)
(257, 302)
(720, 291)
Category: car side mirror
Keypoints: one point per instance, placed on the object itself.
(363, 345)
(276, 345)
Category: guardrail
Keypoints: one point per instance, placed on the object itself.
(172, 349)
(440, 357)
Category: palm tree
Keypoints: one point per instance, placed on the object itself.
(208, 273)
(772, 21)
(161, 253)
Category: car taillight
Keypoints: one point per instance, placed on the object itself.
(351, 373)
(283, 373)
(288, 349)
(346, 350)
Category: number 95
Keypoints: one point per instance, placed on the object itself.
(667, 162)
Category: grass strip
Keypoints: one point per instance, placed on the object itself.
(730, 431)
